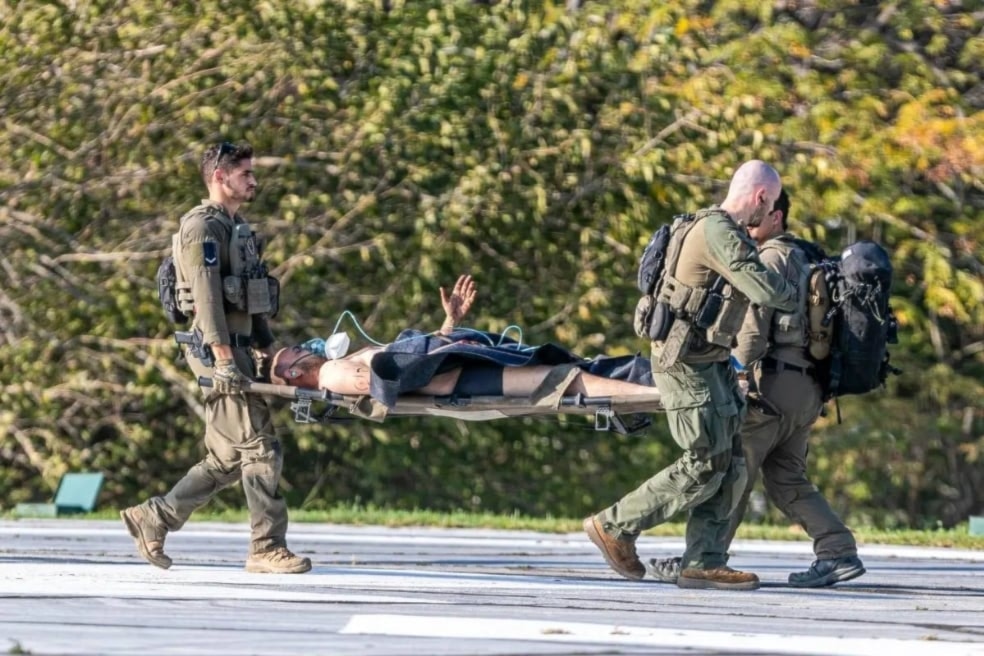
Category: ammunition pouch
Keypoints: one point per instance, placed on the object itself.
(257, 296)
(723, 329)
(652, 319)
(248, 288)
(716, 315)
(252, 295)
(683, 300)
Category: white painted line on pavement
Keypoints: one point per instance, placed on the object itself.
(145, 582)
(582, 632)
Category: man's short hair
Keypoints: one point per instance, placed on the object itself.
(782, 205)
(223, 155)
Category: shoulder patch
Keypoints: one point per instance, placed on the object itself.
(210, 254)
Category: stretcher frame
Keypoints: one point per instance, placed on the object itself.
(608, 411)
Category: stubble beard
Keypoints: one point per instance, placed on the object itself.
(757, 216)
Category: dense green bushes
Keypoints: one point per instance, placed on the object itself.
(536, 148)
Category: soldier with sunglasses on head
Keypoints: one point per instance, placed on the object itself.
(222, 283)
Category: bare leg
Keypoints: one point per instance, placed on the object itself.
(523, 381)
(441, 384)
(351, 376)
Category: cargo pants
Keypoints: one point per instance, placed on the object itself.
(778, 447)
(241, 445)
(704, 410)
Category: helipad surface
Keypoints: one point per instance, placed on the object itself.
(78, 587)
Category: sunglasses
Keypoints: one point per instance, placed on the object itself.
(224, 149)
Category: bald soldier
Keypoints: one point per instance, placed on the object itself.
(223, 283)
(712, 272)
(774, 346)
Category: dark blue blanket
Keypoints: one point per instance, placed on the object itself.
(414, 358)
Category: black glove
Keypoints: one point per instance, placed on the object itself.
(227, 379)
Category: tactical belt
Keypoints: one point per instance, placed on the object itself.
(242, 341)
(771, 365)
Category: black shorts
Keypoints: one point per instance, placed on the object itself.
(479, 380)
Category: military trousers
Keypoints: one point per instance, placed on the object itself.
(704, 410)
(778, 447)
(241, 445)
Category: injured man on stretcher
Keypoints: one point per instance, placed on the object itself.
(463, 363)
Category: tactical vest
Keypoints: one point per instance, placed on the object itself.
(792, 328)
(248, 287)
(714, 313)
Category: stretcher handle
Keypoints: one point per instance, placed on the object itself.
(284, 391)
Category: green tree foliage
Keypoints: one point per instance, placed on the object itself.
(534, 145)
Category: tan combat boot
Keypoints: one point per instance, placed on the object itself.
(148, 536)
(619, 554)
(718, 578)
(278, 560)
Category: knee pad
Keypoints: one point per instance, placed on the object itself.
(479, 380)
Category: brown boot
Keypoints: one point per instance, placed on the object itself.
(718, 578)
(148, 536)
(619, 554)
(278, 560)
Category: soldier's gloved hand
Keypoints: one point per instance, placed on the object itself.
(227, 379)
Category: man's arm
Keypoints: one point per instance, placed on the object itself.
(753, 338)
(734, 256)
(200, 262)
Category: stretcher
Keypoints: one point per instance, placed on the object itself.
(623, 414)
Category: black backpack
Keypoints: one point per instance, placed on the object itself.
(167, 291)
(859, 283)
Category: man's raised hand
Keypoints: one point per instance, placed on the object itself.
(457, 304)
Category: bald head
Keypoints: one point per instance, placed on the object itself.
(754, 188)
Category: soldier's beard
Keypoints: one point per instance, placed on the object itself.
(757, 216)
(242, 196)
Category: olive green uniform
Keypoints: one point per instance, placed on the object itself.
(703, 404)
(239, 433)
(776, 344)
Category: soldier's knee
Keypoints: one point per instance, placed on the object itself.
(266, 455)
(706, 467)
(785, 494)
